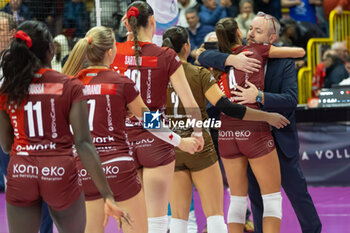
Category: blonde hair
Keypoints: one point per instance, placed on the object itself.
(93, 48)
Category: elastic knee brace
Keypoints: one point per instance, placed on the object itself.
(237, 210)
(272, 205)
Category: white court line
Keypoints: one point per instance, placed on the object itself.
(333, 205)
(335, 215)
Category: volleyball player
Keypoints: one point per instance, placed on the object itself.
(37, 105)
(151, 68)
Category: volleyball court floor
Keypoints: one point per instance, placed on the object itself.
(332, 204)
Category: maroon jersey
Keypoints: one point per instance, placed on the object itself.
(41, 123)
(234, 77)
(156, 65)
(108, 94)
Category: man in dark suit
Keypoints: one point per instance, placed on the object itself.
(280, 95)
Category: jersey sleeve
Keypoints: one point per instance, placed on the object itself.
(207, 79)
(173, 61)
(76, 90)
(3, 100)
(130, 91)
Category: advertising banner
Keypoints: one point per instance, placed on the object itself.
(166, 13)
(325, 153)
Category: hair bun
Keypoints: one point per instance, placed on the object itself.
(167, 43)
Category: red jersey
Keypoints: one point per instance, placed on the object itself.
(108, 94)
(41, 122)
(156, 65)
(229, 80)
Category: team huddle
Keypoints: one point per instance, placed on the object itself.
(77, 142)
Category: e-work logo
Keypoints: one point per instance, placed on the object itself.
(151, 120)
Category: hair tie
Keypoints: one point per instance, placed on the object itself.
(24, 36)
(89, 40)
(133, 11)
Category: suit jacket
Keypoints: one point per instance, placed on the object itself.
(280, 95)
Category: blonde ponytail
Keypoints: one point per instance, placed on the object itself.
(90, 49)
(76, 58)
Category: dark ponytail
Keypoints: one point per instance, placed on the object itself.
(226, 32)
(141, 20)
(175, 37)
(19, 63)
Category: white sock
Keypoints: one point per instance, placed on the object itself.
(169, 222)
(192, 223)
(216, 224)
(178, 225)
(158, 224)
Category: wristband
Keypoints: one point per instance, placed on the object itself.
(169, 137)
(197, 134)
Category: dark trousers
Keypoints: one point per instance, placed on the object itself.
(46, 221)
(295, 187)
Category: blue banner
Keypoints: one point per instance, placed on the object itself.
(325, 153)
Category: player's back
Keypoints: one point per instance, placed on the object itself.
(261, 53)
(41, 122)
(233, 77)
(200, 80)
(156, 65)
(108, 94)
